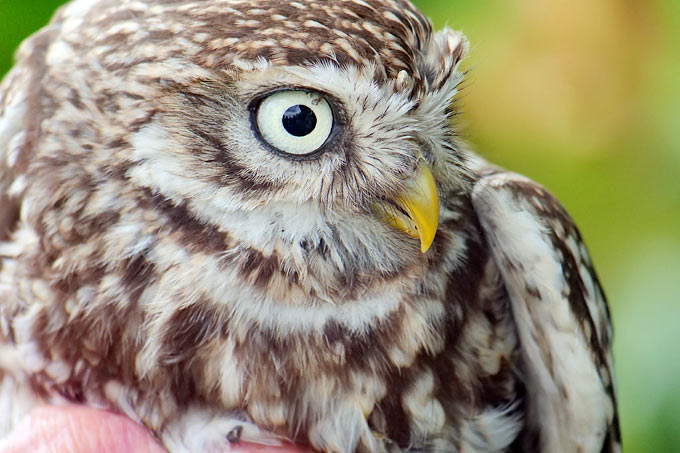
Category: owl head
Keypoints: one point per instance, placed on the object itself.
(318, 131)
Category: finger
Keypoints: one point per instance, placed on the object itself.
(79, 429)
(74, 429)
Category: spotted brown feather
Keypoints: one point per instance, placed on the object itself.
(160, 260)
(555, 293)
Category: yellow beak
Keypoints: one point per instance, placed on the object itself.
(420, 206)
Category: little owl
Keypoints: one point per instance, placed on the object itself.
(252, 220)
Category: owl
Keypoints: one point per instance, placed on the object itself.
(254, 221)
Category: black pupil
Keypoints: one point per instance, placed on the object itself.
(299, 120)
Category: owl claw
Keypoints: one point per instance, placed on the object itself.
(200, 429)
(234, 435)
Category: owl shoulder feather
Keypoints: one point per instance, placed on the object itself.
(560, 312)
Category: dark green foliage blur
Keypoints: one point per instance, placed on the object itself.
(584, 97)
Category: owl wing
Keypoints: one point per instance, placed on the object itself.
(560, 313)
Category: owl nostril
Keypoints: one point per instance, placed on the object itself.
(426, 152)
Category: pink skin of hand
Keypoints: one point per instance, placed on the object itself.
(76, 429)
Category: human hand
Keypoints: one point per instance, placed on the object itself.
(78, 429)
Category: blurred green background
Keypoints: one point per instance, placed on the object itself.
(584, 97)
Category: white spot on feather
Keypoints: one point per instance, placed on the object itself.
(426, 413)
(492, 430)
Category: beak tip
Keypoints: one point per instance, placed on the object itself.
(420, 202)
(426, 242)
(423, 205)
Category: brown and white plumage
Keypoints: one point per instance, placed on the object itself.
(160, 257)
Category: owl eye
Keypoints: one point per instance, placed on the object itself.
(295, 122)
